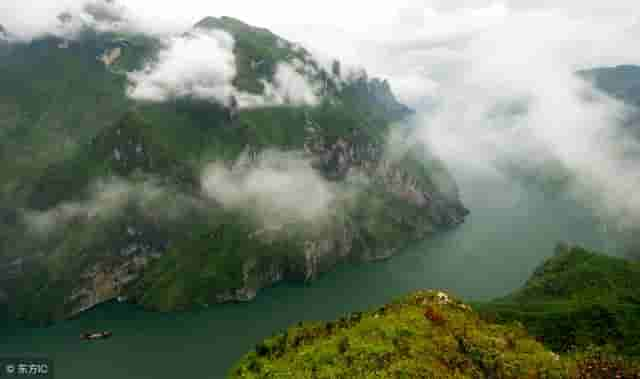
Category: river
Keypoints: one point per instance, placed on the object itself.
(511, 229)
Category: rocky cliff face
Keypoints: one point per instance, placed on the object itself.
(108, 189)
(419, 209)
(398, 204)
(106, 280)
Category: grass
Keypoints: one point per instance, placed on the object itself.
(66, 123)
(578, 296)
(577, 299)
(418, 336)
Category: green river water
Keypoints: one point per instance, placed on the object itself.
(510, 231)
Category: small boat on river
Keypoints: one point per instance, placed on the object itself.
(95, 336)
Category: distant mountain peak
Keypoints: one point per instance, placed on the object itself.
(622, 81)
(229, 24)
(4, 35)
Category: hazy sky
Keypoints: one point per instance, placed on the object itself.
(411, 41)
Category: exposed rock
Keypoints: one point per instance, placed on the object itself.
(128, 149)
(110, 56)
(107, 280)
(255, 278)
(334, 244)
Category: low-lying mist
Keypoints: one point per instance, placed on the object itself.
(494, 84)
(496, 91)
(107, 198)
(278, 186)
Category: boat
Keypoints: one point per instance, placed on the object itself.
(95, 336)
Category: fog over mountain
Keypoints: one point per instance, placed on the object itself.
(178, 155)
(493, 81)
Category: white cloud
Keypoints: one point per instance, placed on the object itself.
(290, 87)
(279, 187)
(107, 197)
(27, 20)
(469, 59)
(200, 64)
(515, 100)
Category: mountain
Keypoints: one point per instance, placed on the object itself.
(622, 82)
(577, 297)
(184, 171)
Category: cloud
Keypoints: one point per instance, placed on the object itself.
(28, 20)
(515, 101)
(200, 64)
(109, 196)
(492, 80)
(279, 187)
(64, 18)
(290, 87)
(106, 11)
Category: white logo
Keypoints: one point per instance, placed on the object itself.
(11, 369)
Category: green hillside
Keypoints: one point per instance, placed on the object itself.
(577, 299)
(102, 196)
(577, 317)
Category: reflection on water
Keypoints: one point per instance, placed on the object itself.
(510, 230)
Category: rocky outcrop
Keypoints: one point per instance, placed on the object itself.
(107, 279)
(255, 278)
(377, 204)
(344, 237)
(110, 56)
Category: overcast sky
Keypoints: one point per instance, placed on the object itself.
(413, 42)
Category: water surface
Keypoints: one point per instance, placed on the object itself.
(510, 230)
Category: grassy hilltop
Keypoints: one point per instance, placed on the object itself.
(577, 317)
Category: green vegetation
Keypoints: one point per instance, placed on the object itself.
(257, 50)
(66, 125)
(421, 336)
(209, 263)
(581, 305)
(577, 299)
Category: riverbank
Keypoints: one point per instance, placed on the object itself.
(511, 229)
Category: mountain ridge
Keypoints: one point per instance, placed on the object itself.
(430, 333)
(123, 197)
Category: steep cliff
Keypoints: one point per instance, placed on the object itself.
(139, 176)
